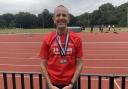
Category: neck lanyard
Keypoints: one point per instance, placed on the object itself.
(62, 50)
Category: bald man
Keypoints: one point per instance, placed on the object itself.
(61, 53)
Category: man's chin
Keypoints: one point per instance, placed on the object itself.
(62, 27)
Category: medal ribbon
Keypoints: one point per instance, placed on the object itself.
(62, 50)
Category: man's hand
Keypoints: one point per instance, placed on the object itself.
(53, 87)
(70, 86)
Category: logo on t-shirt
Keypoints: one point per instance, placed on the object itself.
(57, 51)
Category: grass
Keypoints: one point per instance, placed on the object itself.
(119, 29)
(41, 31)
(14, 31)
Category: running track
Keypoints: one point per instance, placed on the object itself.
(104, 53)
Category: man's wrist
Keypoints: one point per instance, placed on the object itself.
(72, 83)
(50, 85)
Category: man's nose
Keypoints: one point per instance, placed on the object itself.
(61, 17)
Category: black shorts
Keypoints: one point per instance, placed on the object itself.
(62, 86)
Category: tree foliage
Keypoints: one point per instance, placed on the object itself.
(105, 14)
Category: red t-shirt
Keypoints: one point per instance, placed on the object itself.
(50, 51)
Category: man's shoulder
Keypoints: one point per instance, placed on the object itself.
(74, 35)
(50, 37)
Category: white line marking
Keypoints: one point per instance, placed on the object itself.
(82, 42)
(107, 54)
(105, 67)
(19, 65)
(84, 67)
(105, 59)
(109, 50)
(33, 57)
(104, 42)
(20, 53)
(117, 84)
(20, 42)
(25, 76)
(21, 49)
(95, 79)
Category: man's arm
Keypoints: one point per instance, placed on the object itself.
(79, 66)
(45, 73)
(44, 70)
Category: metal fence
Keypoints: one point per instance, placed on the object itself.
(31, 75)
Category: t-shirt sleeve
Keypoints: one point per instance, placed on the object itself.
(43, 54)
(79, 49)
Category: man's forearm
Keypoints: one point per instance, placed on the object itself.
(79, 67)
(45, 73)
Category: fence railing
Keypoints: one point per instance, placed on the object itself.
(22, 75)
(39, 76)
(110, 77)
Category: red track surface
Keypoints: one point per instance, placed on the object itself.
(104, 53)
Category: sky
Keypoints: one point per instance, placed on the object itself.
(76, 7)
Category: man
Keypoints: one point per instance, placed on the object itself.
(101, 28)
(109, 28)
(91, 28)
(114, 30)
(61, 53)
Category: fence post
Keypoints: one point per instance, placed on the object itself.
(79, 83)
(14, 80)
(31, 81)
(22, 82)
(89, 82)
(99, 83)
(111, 82)
(5, 81)
(123, 82)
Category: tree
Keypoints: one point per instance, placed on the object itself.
(73, 20)
(45, 19)
(25, 20)
(8, 18)
(2, 22)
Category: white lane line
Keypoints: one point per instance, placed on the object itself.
(19, 65)
(105, 67)
(82, 42)
(33, 57)
(36, 57)
(117, 84)
(102, 79)
(104, 42)
(19, 53)
(105, 59)
(18, 49)
(20, 42)
(84, 67)
(107, 54)
(25, 76)
(108, 50)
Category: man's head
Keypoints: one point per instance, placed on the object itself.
(61, 17)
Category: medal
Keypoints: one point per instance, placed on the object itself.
(62, 50)
(63, 60)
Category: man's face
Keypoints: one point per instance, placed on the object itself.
(61, 17)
